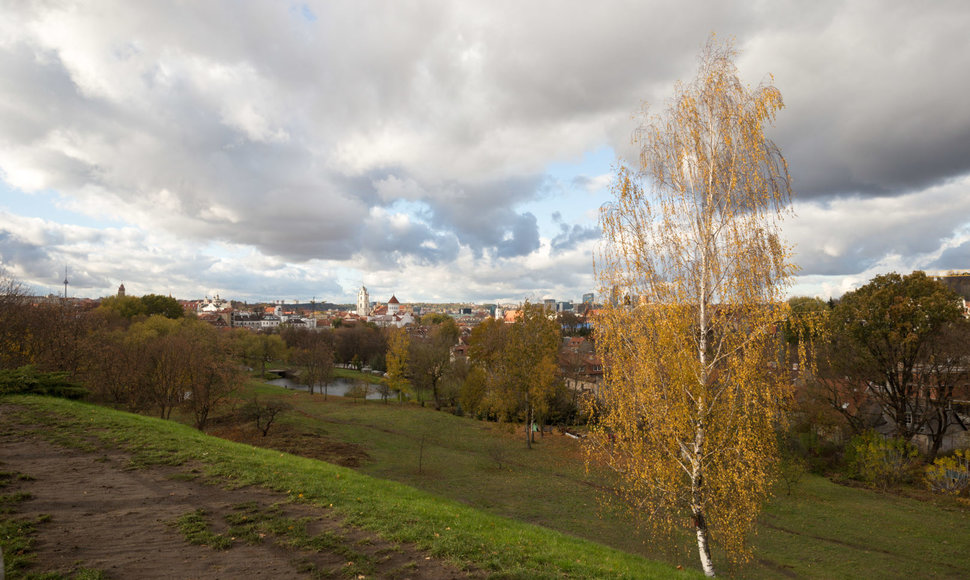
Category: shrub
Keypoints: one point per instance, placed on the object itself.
(358, 391)
(263, 413)
(881, 462)
(950, 474)
(28, 380)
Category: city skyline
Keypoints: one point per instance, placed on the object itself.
(447, 152)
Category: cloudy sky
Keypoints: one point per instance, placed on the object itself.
(447, 151)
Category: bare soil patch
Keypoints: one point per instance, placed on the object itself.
(285, 438)
(106, 516)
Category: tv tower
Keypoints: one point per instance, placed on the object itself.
(65, 282)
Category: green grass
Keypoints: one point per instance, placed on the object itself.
(17, 534)
(445, 528)
(823, 530)
(194, 527)
(342, 373)
(833, 531)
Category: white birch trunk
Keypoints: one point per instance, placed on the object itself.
(703, 549)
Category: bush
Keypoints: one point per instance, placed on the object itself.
(264, 413)
(951, 474)
(358, 391)
(28, 380)
(881, 462)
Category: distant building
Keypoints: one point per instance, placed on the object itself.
(588, 298)
(121, 291)
(363, 302)
(393, 305)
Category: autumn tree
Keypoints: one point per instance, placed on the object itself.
(15, 307)
(258, 348)
(264, 413)
(397, 361)
(212, 373)
(689, 405)
(430, 356)
(514, 374)
(360, 344)
(313, 352)
(531, 364)
(164, 351)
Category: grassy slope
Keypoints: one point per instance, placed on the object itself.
(446, 528)
(823, 530)
(832, 531)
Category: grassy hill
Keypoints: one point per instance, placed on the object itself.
(822, 530)
(480, 490)
(446, 528)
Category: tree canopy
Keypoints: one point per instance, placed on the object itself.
(894, 338)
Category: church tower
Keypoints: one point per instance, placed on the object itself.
(121, 291)
(363, 302)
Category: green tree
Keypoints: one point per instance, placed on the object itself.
(126, 306)
(690, 401)
(163, 305)
(901, 340)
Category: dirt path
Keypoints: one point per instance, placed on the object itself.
(121, 521)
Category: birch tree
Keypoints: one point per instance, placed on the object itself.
(691, 397)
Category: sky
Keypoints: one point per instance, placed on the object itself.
(448, 151)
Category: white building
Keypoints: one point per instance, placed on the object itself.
(363, 302)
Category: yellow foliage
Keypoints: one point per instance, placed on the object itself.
(692, 393)
(397, 360)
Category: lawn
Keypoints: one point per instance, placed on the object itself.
(823, 530)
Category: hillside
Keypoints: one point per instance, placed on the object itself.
(141, 488)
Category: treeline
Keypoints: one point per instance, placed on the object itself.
(144, 355)
(891, 388)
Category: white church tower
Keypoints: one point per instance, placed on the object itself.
(363, 302)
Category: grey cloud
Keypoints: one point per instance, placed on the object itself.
(524, 237)
(483, 217)
(957, 258)
(571, 236)
(271, 129)
(874, 94)
(386, 244)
